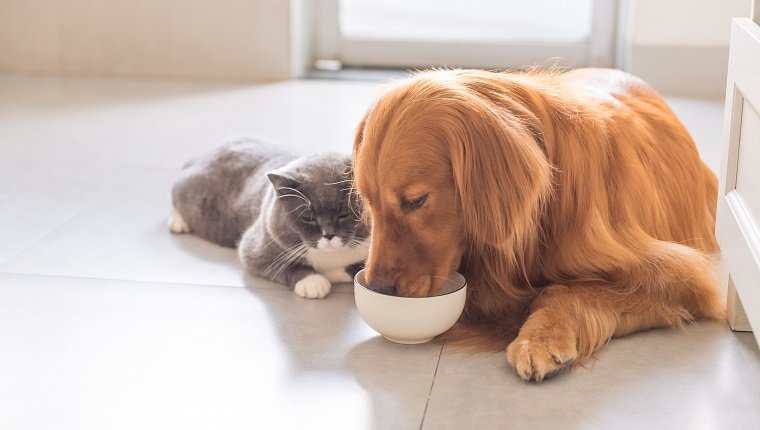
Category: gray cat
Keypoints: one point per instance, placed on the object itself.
(292, 218)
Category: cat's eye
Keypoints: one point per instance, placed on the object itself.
(307, 218)
(408, 205)
(344, 215)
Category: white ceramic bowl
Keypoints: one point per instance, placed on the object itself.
(411, 319)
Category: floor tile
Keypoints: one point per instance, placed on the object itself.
(704, 120)
(89, 122)
(37, 199)
(94, 354)
(124, 235)
(702, 377)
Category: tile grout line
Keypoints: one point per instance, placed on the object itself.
(432, 384)
(128, 281)
(138, 281)
(47, 234)
(99, 278)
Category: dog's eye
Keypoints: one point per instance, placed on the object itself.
(413, 204)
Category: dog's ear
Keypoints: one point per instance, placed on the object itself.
(502, 176)
(356, 201)
(359, 134)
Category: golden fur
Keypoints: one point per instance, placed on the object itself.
(575, 204)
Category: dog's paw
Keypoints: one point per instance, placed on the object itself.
(176, 223)
(536, 359)
(314, 286)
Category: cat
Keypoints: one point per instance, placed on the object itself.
(292, 219)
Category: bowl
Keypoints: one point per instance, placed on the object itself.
(411, 320)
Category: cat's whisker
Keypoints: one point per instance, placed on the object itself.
(295, 195)
(282, 257)
(352, 194)
(304, 210)
(285, 263)
(358, 243)
(356, 215)
(293, 256)
(338, 182)
(297, 192)
(268, 243)
(274, 265)
(299, 207)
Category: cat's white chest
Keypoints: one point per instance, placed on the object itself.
(332, 263)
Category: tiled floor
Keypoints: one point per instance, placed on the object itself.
(107, 321)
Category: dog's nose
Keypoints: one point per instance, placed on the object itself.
(381, 283)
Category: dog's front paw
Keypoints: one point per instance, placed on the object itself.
(537, 358)
(314, 286)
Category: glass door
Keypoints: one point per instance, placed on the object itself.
(475, 33)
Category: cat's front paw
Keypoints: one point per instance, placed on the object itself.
(314, 286)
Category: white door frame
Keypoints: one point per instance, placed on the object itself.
(738, 221)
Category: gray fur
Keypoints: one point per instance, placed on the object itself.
(268, 202)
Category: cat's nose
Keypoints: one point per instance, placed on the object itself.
(328, 236)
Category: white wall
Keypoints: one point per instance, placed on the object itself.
(686, 22)
(681, 46)
(196, 39)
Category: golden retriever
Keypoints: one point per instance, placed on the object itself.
(575, 204)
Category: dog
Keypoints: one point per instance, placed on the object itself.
(575, 204)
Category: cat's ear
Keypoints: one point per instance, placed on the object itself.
(284, 183)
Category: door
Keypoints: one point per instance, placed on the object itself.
(474, 33)
(738, 223)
